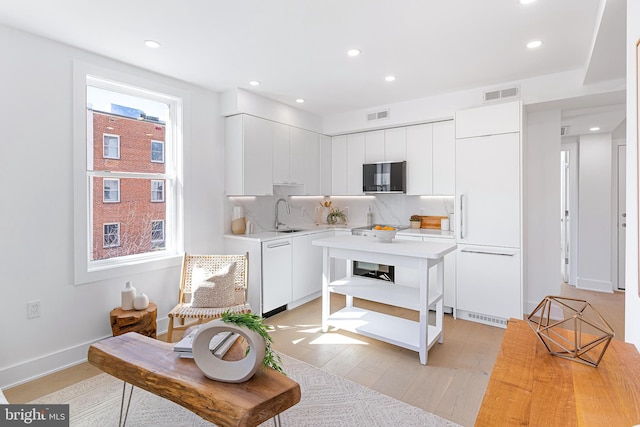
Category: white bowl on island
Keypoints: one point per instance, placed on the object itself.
(386, 236)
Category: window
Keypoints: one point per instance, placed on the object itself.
(157, 234)
(157, 151)
(111, 235)
(157, 190)
(120, 228)
(110, 146)
(111, 190)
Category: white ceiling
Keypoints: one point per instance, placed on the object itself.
(297, 48)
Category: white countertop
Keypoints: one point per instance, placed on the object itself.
(264, 236)
(407, 248)
(427, 232)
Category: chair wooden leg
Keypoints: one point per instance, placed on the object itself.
(170, 331)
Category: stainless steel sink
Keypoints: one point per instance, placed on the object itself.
(288, 230)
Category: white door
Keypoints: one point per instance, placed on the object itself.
(488, 190)
(622, 213)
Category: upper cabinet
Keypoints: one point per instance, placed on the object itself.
(444, 158)
(355, 160)
(260, 153)
(248, 142)
(339, 165)
(374, 146)
(395, 144)
(488, 120)
(420, 163)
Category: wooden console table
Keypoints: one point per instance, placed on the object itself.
(530, 387)
(152, 365)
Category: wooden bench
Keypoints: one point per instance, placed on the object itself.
(152, 365)
(530, 387)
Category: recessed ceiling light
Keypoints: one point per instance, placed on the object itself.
(299, 100)
(534, 44)
(254, 83)
(152, 44)
(353, 52)
(390, 78)
(526, 1)
(594, 129)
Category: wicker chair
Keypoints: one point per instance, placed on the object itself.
(184, 311)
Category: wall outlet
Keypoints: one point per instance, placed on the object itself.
(33, 309)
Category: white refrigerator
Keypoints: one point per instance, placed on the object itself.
(488, 229)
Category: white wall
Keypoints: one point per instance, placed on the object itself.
(632, 300)
(36, 214)
(594, 204)
(542, 207)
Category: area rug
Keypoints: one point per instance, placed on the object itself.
(327, 400)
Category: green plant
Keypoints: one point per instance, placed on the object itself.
(336, 215)
(415, 218)
(255, 323)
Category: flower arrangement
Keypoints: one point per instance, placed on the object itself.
(415, 221)
(415, 218)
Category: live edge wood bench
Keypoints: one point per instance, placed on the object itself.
(530, 387)
(152, 365)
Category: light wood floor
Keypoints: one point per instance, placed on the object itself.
(451, 385)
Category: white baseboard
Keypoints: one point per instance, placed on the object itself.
(304, 300)
(595, 285)
(47, 364)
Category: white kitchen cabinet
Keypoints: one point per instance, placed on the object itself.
(419, 159)
(444, 159)
(281, 153)
(488, 284)
(276, 274)
(248, 152)
(305, 160)
(409, 277)
(355, 160)
(306, 268)
(339, 165)
(395, 144)
(325, 164)
(374, 146)
(488, 190)
(489, 120)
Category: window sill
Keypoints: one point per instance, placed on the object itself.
(84, 275)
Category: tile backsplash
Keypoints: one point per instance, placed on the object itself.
(306, 211)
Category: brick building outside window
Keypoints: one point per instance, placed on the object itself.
(128, 213)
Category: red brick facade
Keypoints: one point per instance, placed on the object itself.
(134, 212)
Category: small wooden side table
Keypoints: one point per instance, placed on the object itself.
(140, 321)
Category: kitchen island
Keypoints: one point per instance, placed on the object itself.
(417, 336)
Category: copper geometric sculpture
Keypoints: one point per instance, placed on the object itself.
(576, 332)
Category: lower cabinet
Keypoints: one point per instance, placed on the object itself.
(409, 277)
(489, 284)
(306, 268)
(276, 273)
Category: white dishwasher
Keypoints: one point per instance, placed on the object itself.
(276, 275)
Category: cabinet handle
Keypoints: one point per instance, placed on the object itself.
(277, 245)
(471, 251)
(461, 216)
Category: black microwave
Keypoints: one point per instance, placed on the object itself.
(384, 177)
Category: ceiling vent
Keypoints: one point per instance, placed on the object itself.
(494, 95)
(378, 115)
(564, 130)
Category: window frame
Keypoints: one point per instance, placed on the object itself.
(104, 180)
(156, 87)
(161, 200)
(163, 145)
(103, 145)
(104, 234)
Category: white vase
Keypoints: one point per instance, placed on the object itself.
(141, 302)
(128, 295)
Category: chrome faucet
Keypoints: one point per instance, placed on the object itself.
(278, 223)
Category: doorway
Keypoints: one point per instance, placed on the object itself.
(569, 212)
(622, 214)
